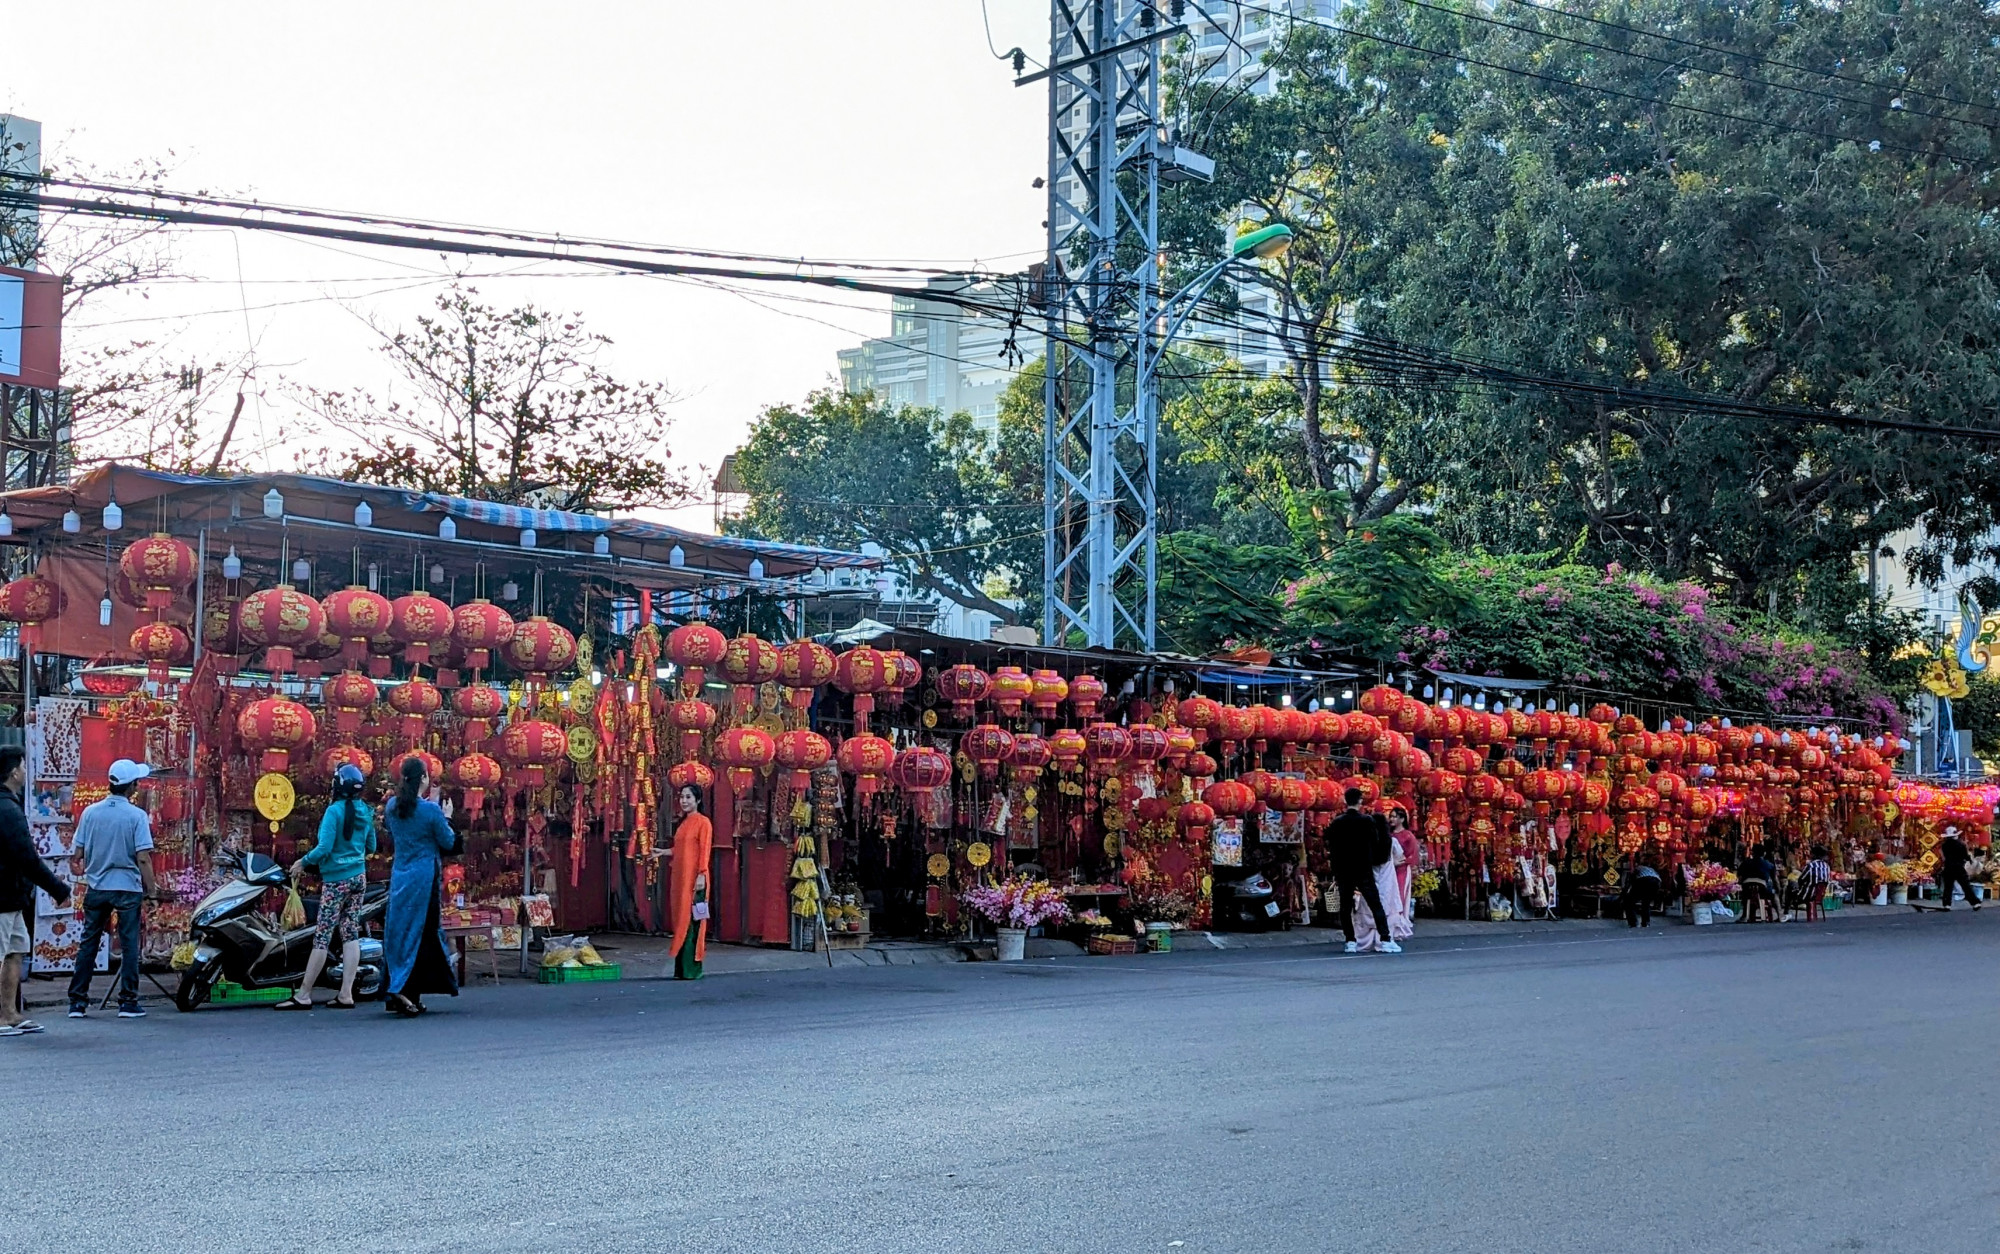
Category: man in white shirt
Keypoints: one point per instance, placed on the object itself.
(114, 854)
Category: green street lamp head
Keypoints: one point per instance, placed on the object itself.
(1263, 243)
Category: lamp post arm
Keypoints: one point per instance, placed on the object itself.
(1178, 307)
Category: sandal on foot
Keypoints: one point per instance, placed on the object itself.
(293, 1003)
(337, 1004)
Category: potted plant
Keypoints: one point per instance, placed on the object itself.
(1013, 906)
(1897, 876)
(1707, 884)
(1162, 912)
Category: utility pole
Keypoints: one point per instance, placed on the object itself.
(1100, 298)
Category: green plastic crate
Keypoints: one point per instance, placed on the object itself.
(226, 993)
(576, 975)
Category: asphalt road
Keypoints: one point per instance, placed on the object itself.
(1769, 1089)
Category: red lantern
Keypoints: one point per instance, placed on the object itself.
(1047, 692)
(1294, 795)
(31, 601)
(416, 700)
(964, 685)
(349, 695)
(1011, 688)
(541, 648)
(307, 658)
(1362, 727)
(347, 755)
(804, 665)
(531, 747)
(160, 567)
(1230, 798)
(1369, 787)
(1067, 747)
(1202, 716)
(1382, 701)
(801, 752)
(1236, 725)
(1106, 745)
(1086, 694)
(905, 673)
(867, 758)
(690, 775)
(1196, 818)
(479, 705)
(480, 627)
(274, 727)
(382, 649)
(279, 620)
(1027, 758)
(162, 645)
(357, 616)
(861, 672)
(988, 746)
(1148, 743)
(221, 636)
(747, 663)
(422, 624)
(433, 768)
(694, 647)
(475, 774)
(693, 718)
(1200, 766)
(743, 751)
(921, 772)
(1263, 783)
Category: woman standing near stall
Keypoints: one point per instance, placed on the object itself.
(687, 903)
(412, 940)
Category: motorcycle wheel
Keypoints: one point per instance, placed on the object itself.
(196, 984)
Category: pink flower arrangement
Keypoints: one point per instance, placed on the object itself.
(1711, 881)
(1019, 901)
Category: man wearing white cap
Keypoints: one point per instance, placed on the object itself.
(114, 844)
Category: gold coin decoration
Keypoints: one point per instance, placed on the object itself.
(584, 653)
(275, 796)
(930, 719)
(582, 743)
(582, 693)
(937, 866)
(1111, 844)
(979, 853)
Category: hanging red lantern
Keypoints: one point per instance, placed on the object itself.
(861, 672)
(416, 700)
(694, 647)
(347, 755)
(1202, 716)
(1199, 765)
(801, 752)
(1368, 786)
(1263, 783)
(1232, 799)
(1328, 795)
(1362, 727)
(480, 628)
(921, 772)
(433, 767)
(905, 673)
(1047, 691)
(1293, 796)
(1026, 759)
(531, 747)
(869, 759)
(541, 648)
(1382, 701)
(422, 624)
(804, 665)
(31, 601)
(743, 751)
(160, 567)
(690, 775)
(222, 635)
(1146, 743)
(476, 775)
(275, 727)
(1106, 745)
(1067, 746)
(964, 685)
(1196, 818)
(747, 663)
(1086, 695)
(479, 705)
(279, 620)
(1236, 725)
(162, 645)
(349, 696)
(357, 616)
(988, 746)
(1010, 690)
(693, 718)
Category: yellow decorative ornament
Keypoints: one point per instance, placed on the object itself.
(585, 651)
(1207, 885)
(582, 693)
(930, 719)
(937, 866)
(275, 797)
(1111, 844)
(979, 853)
(582, 743)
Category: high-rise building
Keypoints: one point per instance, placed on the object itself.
(941, 355)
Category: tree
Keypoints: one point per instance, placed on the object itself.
(510, 405)
(843, 470)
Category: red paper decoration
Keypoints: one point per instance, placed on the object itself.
(275, 727)
(1067, 746)
(921, 770)
(160, 567)
(862, 672)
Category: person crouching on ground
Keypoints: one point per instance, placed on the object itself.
(21, 872)
(346, 838)
(1642, 894)
(1356, 843)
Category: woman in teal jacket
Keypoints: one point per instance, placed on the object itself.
(346, 838)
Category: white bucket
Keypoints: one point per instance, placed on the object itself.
(1899, 894)
(1013, 945)
(1881, 897)
(1704, 914)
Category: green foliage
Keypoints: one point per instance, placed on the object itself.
(1214, 595)
(1374, 587)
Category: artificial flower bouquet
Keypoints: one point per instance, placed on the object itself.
(1711, 881)
(1019, 901)
(1891, 872)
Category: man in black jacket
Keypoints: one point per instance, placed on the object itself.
(1356, 843)
(1953, 873)
(21, 870)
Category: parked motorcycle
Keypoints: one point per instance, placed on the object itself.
(1247, 904)
(235, 941)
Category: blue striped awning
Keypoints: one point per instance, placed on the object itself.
(519, 517)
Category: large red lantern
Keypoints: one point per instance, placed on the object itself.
(1202, 716)
(921, 772)
(1382, 701)
(801, 752)
(743, 751)
(162, 645)
(1147, 743)
(347, 755)
(31, 601)
(748, 662)
(1294, 795)
(1048, 691)
(279, 620)
(275, 727)
(1010, 690)
(357, 616)
(905, 673)
(480, 627)
(804, 665)
(693, 718)
(1067, 746)
(1196, 818)
(1199, 765)
(476, 775)
(1230, 798)
(531, 747)
(694, 647)
(422, 624)
(541, 648)
(1237, 724)
(964, 685)
(479, 705)
(416, 700)
(221, 635)
(1086, 695)
(1368, 786)
(868, 759)
(1027, 758)
(160, 567)
(433, 766)
(1106, 745)
(349, 695)
(988, 746)
(690, 775)
(861, 672)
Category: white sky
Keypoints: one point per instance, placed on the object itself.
(865, 129)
